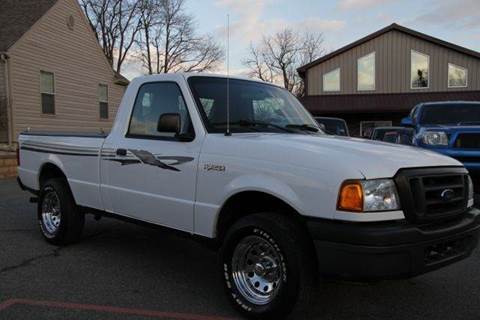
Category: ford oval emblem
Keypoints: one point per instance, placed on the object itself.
(447, 195)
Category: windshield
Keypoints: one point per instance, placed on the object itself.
(390, 137)
(448, 114)
(379, 134)
(254, 106)
(334, 126)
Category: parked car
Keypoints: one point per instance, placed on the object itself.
(335, 126)
(378, 132)
(451, 128)
(283, 201)
(399, 135)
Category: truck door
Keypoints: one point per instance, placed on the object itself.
(148, 174)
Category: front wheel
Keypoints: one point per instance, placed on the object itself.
(266, 266)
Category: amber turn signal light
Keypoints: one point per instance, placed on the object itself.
(351, 197)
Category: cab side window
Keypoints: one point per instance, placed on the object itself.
(154, 100)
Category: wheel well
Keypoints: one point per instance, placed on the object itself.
(50, 171)
(249, 202)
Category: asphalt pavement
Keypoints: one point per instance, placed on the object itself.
(124, 271)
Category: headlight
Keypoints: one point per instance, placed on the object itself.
(435, 138)
(470, 192)
(368, 196)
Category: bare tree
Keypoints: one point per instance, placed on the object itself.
(277, 57)
(151, 26)
(312, 47)
(257, 65)
(169, 43)
(116, 23)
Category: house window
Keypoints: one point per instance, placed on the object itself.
(420, 65)
(457, 76)
(103, 100)
(366, 127)
(331, 80)
(47, 90)
(366, 73)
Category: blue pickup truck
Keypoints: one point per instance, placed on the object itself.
(451, 128)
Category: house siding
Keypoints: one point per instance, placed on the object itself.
(3, 105)
(79, 66)
(393, 66)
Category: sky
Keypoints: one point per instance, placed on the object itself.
(340, 21)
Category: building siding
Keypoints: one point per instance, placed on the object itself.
(3, 105)
(79, 66)
(393, 66)
(379, 103)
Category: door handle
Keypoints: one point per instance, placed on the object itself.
(121, 152)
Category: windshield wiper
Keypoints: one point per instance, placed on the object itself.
(305, 127)
(252, 124)
(249, 123)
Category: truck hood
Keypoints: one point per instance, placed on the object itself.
(372, 159)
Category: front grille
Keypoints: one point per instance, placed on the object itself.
(468, 141)
(428, 194)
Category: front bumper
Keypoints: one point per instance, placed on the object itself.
(387, 250)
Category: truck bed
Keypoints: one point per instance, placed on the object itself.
(77, 154)
(65, 134)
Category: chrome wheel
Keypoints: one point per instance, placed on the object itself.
(257, 269)
(51, 214)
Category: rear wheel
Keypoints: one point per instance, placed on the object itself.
(60, 220)
(266, 266)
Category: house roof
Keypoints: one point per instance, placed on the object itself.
(380, 32)
(121, 80)
(17, 17)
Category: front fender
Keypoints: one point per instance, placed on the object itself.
(310, 192)
(265, 184)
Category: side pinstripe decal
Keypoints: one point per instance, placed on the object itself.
(133, 156)
(145, 157)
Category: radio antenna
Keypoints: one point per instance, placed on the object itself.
(227, 61)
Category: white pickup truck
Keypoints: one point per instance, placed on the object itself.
(285, 202)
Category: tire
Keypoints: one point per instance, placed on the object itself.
(267, 266)
(60, 220)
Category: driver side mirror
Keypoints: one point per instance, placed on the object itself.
(169, 122)
(407, 122)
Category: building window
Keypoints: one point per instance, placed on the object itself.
(457, 76)
(103, 100)
(331, 80)
(420, 65)
(366, 127)
(47, 90)
(366, 73)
